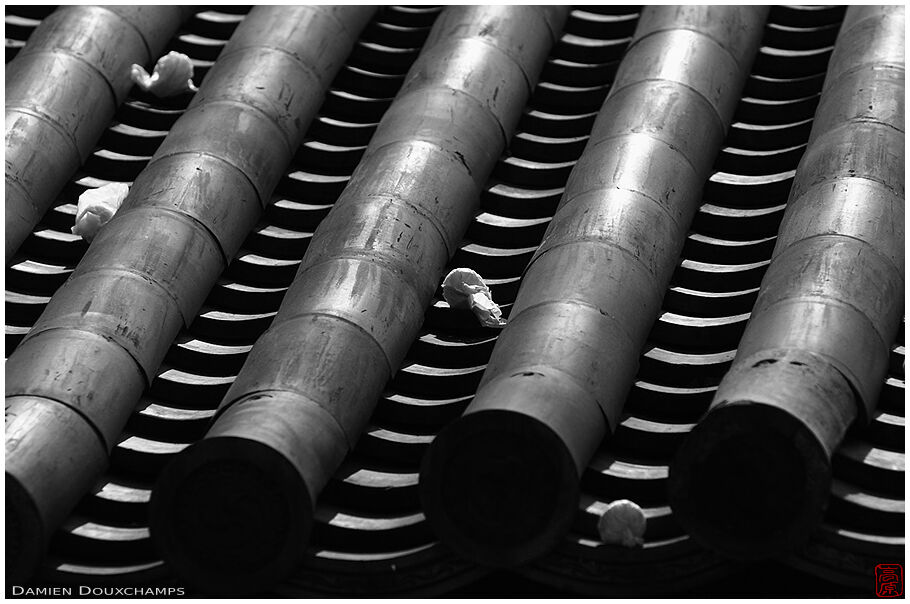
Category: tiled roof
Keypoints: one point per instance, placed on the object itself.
(370, 534)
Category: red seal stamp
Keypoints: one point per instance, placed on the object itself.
(889, 580)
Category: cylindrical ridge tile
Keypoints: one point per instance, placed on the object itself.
(563, 366)
(103, 335)
(752, 479)
(62, 90)
(311, 381)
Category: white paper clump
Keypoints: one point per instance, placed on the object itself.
(173, 75)
(622, 523)
(464, 288)
(96, 207)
